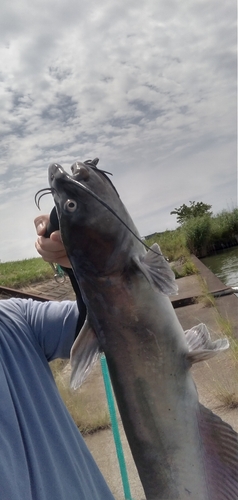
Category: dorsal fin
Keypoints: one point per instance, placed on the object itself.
(220, 444)
(157, 270)
(84, 353)
(200, 345)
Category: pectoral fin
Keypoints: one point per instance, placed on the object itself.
(220, 444)
(84, 353)
(200, 345)
(157, 270)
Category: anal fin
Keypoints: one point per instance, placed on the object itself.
(84, 353)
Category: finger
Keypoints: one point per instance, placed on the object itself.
(41, 223)
(48, 255)
(56, 236)
(50, 245)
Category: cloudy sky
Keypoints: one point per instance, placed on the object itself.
(149, 87)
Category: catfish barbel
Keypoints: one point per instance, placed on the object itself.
(181, 449)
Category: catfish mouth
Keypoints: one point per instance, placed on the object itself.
(56, 173)
(79, 173)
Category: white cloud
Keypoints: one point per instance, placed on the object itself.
(149, 88)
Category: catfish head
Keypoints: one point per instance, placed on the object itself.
(93, 220)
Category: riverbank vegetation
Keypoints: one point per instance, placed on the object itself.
(201, 235)
(206, 234)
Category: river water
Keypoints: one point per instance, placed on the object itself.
(225, 266)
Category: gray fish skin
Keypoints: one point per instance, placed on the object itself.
(145, 347)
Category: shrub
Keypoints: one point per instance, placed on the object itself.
(172, 244)
(197, 232)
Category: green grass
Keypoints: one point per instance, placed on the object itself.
(227, 329)
(173, 247)
(87, 418)
(205, 298)
(24, 272)
(172, 244)
(87, 405)
(184, 267)
(228, 400)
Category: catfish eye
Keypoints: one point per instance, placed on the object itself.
(70, 205)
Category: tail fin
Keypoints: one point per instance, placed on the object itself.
(220, 443)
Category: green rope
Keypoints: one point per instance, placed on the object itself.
(115, 429)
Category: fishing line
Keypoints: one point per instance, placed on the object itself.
(110, 210)
(94, 195)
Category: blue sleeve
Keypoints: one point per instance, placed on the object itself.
(51, 324)
(54, 325)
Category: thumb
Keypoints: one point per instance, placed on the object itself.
(56, 236)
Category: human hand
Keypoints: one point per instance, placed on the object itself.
(51, 249)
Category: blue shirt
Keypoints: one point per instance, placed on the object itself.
(42, 454)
